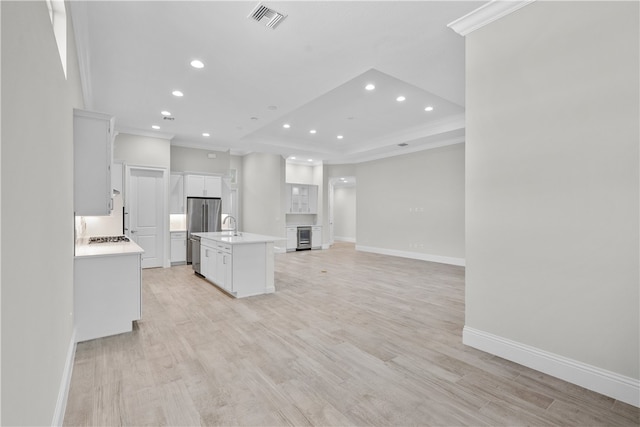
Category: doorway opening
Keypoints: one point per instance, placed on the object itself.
(342, 209)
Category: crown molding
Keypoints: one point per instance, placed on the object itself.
(142, 132)
(486, 14)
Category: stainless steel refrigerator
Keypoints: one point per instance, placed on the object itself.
(203, 215)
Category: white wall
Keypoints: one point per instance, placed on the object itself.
(184, 159)
(413, 205)
(142, 150)
(263, 192)
(552, 181)
(37, 185)
(344, 213)
(299, 174)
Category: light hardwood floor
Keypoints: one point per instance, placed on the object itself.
(349, 338)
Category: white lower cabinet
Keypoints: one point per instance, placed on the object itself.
(107, 296)
(241, 270)
(178, 247)
(207, 260)
(316, 237)
(224, 267)
(292, 238)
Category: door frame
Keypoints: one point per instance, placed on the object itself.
(165, 235)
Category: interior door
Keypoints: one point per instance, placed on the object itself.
(145, 214)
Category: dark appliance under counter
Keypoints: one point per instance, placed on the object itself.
(304, 238)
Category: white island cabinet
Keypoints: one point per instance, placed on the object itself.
(106, 289)
(241, 265)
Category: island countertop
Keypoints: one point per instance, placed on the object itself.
(240, 239)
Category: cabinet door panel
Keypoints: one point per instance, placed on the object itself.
(93, 156)
(212, 186)
(195, 185)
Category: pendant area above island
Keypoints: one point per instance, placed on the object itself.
(241, 264)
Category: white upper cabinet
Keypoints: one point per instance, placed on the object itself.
(301, 198)
(92, 158)
(176, 198)
(203, 186)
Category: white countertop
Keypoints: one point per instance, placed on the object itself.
(240, 239)
(84, 249)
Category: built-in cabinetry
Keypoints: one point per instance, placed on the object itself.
(292, 238)
(217, 264)
(92, 158)
(241, 266)
(176, 194)
(301, 199)
(203, 186)
(107, 295)
(178, 247)
(316, 237)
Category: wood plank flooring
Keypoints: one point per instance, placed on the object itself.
(349, 338)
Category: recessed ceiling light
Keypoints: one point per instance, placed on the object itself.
(370, 86)
(177, 93)
(165, 113)
(286, 125)
(429, 108)
(205, 134)
(196, 63)
(293, 158)
(339, 136)
(312, 131)
(156, 127)
(400, 98)
(310, 160)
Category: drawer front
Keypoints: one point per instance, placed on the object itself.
(224, 247)
(178, 234)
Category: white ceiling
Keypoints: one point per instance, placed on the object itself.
(309, 72)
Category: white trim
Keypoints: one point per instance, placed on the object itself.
(81, 36)
(620, 387)
(146, 133)
(65, 383)
(413, 255)
(486, 14)
(345, 239)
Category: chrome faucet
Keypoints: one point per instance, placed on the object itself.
(235, 224)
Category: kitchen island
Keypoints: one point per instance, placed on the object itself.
(106, 289)
(241, 264)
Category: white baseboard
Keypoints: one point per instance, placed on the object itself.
(345, 239)
(620, 387)
(65, 383)
(413, 255)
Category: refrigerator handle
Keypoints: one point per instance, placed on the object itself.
(203, 217)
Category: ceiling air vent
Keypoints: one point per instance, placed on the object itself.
(266, 16)
(402, 144)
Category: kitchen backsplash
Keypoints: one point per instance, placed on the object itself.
(177, 222)
(111, 225)
(301, 219)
